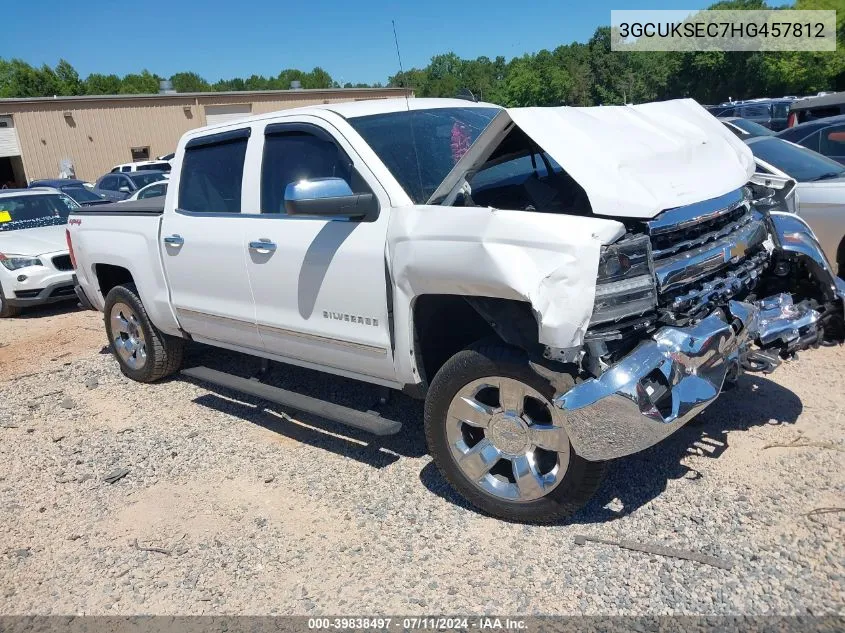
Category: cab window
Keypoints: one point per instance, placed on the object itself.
(291, 156)
(212, 173)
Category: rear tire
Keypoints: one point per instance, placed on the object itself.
(144, 352)
(491, 429)
(7, 311)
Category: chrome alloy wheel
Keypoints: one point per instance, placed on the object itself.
(128, 336)
(502, 435)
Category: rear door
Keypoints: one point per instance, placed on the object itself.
(319, 282)
(202, 246)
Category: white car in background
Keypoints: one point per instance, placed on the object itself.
(153, 190)
(35, 264)
(820, 189)
(142, 165)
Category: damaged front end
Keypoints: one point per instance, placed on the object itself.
(736, 287)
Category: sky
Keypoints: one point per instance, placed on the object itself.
(351, 39)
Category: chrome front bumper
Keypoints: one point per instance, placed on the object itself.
(673, 376)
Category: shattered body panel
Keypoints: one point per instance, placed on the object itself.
(547, 260)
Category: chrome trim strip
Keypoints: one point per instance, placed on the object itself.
(194, 314)
(693, 265)
(681, 218)
(704, 239)
(316, 338)
(272, 329)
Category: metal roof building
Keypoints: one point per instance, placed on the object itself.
(95, 133)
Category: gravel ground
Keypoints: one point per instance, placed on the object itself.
(225, 505)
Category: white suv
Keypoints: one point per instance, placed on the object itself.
(35, 265)
(142, 165)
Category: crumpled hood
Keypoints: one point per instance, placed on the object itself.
(632, 161)
(37, 241)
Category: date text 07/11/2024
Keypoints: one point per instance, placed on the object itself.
(417, 623)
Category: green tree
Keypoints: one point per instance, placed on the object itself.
(68, 79)
(97, 84)
(138, 84)
(189, 82)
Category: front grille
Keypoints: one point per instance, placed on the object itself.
(63, 291)
(28, 294)
(706, 254)
(62, 262)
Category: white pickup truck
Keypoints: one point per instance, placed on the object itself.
(563, 286)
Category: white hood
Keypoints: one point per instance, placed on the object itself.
(632, 161)
(37, 241)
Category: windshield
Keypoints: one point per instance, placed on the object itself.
(81, 194)
(800, 163)
(751, 128)
(142, 180)
(421, 147)
(31, 211)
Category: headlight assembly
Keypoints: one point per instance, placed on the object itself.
(13, 262)
(625, 285)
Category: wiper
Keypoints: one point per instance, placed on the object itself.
(828, 175)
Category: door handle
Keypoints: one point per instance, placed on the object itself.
(263, 245)
(174, 240)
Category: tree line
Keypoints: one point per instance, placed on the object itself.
(578, 74)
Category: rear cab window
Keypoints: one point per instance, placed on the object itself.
(212, 173)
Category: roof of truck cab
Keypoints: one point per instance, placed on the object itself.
(352, 109)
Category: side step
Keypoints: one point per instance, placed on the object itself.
(366, 421)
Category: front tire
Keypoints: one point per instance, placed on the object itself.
(496, 437)
(7, 311)
(144, 352)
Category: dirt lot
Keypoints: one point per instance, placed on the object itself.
(227, 505)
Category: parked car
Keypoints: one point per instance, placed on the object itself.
(744, 128)
(153, 190)
(769, 113)
(820, 189)
(825, 136)
(141, 165)
(76, 189)
(120, 186)
(554, 310)
(815, 108)
(35, 266)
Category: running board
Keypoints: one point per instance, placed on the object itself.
(364, 420)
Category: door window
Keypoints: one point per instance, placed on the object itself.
(109, 183)
(832, 141)
(299, 155)
(153, 191)
(212, 173)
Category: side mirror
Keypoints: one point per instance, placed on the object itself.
(328, 197)
(125, 189)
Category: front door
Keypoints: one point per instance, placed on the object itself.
(319, 283)
(202, 243)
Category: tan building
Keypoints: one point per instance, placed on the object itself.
(95, 133)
